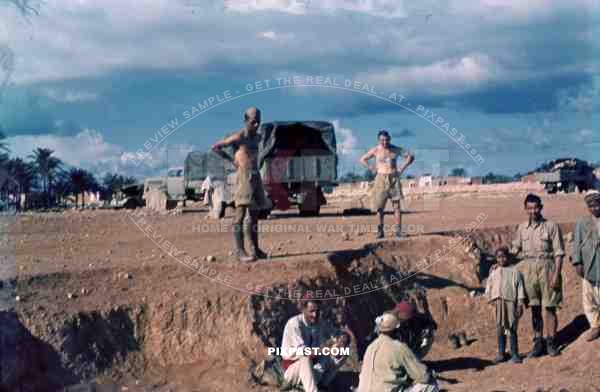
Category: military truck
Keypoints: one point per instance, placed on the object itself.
(296, 160)
(129, 197)
(566, 175)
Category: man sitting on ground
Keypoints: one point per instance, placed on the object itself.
(390, 366)
(307, 330)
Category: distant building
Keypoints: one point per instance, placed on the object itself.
(425, 181)
(529, 178)
(457, 180)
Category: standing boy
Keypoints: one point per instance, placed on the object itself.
(505, 289)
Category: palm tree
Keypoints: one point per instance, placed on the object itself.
(62, 186)
(81, 182)
(46, 167)
(78, 178)
(458, 172)
(113, 182)
(22, 178)
(3, 149)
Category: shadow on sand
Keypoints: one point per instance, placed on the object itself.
(26, 362)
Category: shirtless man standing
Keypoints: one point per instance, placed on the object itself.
(250, 196)
(387, 182)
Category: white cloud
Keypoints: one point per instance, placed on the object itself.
(463, 46)
(585, 136)
(275, 37)
(89, 150)
(268, 35)
(348, 148)
(443, 77)
(69, 96)
(289, 6)
(409, 8)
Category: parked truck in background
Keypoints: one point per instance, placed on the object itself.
(566, 175)
(296, 160)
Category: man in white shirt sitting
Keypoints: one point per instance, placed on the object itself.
(307, 330)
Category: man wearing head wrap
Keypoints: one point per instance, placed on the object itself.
(387, 181)
(389, 365)
(250, 195)
(586, 259)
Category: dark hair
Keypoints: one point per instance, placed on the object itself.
(503, 249)
(506, 251)
(306, 299)
(383, 132)
(531, 198)
(304, 303)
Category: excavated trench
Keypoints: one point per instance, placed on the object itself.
(220, 326)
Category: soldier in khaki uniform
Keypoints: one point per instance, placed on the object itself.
(540, 245)
(387, 181)
(250, 196)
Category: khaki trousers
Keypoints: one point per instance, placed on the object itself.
(591, 302)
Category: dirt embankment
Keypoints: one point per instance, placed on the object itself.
(135, 319)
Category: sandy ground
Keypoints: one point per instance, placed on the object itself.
(86, 254)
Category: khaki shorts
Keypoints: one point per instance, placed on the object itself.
(249, 190)
(386, 186)
(536, 275)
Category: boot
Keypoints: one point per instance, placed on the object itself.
(538, 348)
(514, 348)
(501, 357)
(251, 231)
(462, 336)
(454, 341)
(240, 252)
(398, 231)
(380, 234)
(551, 347)
(594, 334)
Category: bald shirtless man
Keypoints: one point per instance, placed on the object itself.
(387, 181)
(250, 196)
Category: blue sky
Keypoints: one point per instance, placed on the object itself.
(95, 80)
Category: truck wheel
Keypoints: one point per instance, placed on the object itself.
(310, 212)
(551, 188)
(311, 205)
(131, 204)
(264, 214)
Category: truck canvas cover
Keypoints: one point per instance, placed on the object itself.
(308, 148)
(199, 164)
